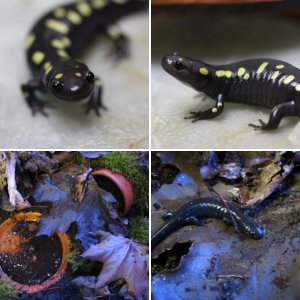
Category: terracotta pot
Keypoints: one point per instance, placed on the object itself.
(16, 234)
(123, 184)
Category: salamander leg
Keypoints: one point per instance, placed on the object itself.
(95, 101)
(121, 43)
(280, 111)
(28, 90)
(209, 113)
(167, 216)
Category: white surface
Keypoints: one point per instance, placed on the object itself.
(124, 125)
(218, 39)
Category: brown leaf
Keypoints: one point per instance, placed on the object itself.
(121, 258)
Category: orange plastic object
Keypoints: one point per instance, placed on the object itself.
(122, 183)
(12, 243)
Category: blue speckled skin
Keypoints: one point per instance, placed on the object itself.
(193, 213)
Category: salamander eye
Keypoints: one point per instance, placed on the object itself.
(56, 85)
(178, 65)
(90, 77)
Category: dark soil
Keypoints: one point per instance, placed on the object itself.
(109, 186)
(37, 260)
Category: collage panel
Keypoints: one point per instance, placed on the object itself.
(74, 225)
(81, 68)
(225, 74)
(225, 225)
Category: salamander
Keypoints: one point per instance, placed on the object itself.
(194, 213)
(265, 82)
(53, 46)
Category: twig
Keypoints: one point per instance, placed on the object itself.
(211, 189)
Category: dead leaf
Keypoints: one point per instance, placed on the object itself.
(80, 185)
(90, 214)
(16, 200)
(122, 259)
(269, 179)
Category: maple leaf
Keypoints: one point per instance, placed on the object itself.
(122, 259)
(90, 213)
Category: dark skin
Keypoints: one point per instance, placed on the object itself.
(58, 38)
(266, 82)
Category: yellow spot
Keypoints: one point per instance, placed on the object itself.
(84, 9)
(78, 74)
(246, 76)
(262, 67)
(74, 17)
(279, 66)
(59, 75)
(113, 31)
(228, 74)
(297, 87)
(59, 13)
(220, 104)
(98, 4)
(29, 41)
(119, 1)
(275, 75)
(48, 67)
(288, 79)
(214, 110)
(38, 57)
(241, 71)
(220, 73)
(61, 43)
(203, 71)
(62, 53)
(57, 26)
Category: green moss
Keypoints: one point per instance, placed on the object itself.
(77, 263)
(2, 174)
(7, 291)
(79, 159)
(139, 230)
(126, 164)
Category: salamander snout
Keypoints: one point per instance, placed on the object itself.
(256, 232)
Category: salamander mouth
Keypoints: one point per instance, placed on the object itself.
(74, 97)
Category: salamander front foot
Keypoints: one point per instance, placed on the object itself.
(36, 105)
(95, 102)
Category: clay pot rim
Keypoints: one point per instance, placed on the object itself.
(66, 246)
(124, 185)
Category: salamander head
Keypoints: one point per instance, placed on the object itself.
(70, 81)
(187, 70)
(251, 228)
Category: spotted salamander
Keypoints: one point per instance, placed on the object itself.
(54, 43)
(265, 82)
(194, 213)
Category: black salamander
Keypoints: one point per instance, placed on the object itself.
(55, 42)
(265, 82)
(194, 213)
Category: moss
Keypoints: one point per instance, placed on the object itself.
(79, 159)
(2, 173)
(77, 263)
(7, 291)
(126, 164)
(139, 230)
